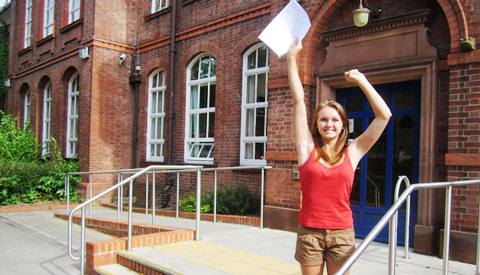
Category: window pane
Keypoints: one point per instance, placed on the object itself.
(213, 87)
(251, 89)
(204, 66)
(252, 60)
(159, 128)
(153, 124)
(260, 123)
(354, 104)
(203, 96)
(261, 83)
(404, 100)
(376, 173)
(250, 116)
(154, 102)
(211, 124)
(262, 57)
(194, 97)
(194, 72)
(160, 102)
(193, 123)
(259, 150)
(160, 79)
(213, 67)
(202, 125)
(152, 150)
(249, 150)
(155, 81)
(205, 151)
(158, 151)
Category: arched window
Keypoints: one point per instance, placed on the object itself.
(47, 118)
(200, 110)
(253, 139)
(72, 116)
(156, 114)
(26, 108)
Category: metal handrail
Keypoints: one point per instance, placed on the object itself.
(392, 234)
(389, 214)
(118, 185)
(215, 170)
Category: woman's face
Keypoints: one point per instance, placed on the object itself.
(329, 124)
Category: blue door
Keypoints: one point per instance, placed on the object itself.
(395, 154)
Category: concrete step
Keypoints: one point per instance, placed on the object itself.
(114, 269)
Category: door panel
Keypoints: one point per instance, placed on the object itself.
(394, 154)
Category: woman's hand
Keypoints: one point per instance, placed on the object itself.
(355, 76)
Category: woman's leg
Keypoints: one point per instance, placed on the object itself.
(312, 269)
(332, 268)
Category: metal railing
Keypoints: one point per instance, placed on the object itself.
(215, 171)
(394, 209)
(82, 206)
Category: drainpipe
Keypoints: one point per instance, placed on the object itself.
(171, 101)
(135, 79)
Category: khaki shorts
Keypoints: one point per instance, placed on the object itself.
(315, 246)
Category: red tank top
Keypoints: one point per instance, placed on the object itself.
(326, 194)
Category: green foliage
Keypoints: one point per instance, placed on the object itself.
(25, 177)
(189, 203)
(237, 200)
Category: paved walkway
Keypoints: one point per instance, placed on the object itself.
(223, 249)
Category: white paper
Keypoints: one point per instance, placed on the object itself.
(292, 23)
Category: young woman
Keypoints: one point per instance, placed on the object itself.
(327, 166)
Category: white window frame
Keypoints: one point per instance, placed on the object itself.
(203, 142)
(72, 116)
(27, 38)
(158, 89)
(47, 119)
(48, 17)
(26, 109)
(244, 139)
(73, 10)
(158, 5)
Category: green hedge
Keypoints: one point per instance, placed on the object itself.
(25, 177)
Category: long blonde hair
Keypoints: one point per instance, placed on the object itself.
(331, 156)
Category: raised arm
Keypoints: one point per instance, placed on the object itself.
(303, 138)
(367, 139)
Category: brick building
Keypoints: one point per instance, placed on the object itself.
(124, 83)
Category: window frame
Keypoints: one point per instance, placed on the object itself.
(72, 151)
(27, 37)
(155, 9)
(73, 11)
(245, 74)
(26, 109)
(206, 141)
(158, 140)
(48, 26)
(47, 119)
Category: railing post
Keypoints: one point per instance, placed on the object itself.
(82, 243)
(178, 194)
(130, 187)
(446, 230)
(392, 244)
(215, 196)
(67, 192)
(118, 196)
(199, 188)
(262, 191)
(121, 194)
(153, 197)
(407, 229)
(90, 189)
(146, 194)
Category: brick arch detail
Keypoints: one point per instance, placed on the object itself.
(43, 81)
(202, 47)
(452, 13)
(68, 72)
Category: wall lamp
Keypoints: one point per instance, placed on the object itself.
(360, 15)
